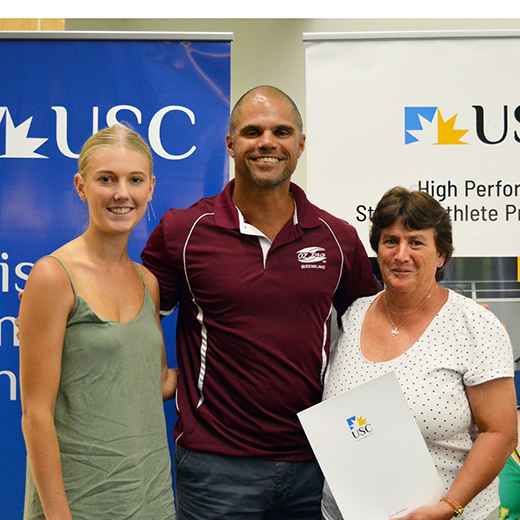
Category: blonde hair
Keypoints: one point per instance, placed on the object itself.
(112, 137)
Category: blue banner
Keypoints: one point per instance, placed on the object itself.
(54, 93)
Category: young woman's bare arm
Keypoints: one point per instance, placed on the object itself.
(47, 301)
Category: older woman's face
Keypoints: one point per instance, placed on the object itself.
(408, 259)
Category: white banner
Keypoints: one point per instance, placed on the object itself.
(434, 111)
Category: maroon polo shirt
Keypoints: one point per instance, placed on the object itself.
(253, 330)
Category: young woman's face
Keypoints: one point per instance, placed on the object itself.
(117, 187)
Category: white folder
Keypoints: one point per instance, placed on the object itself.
(371, 451)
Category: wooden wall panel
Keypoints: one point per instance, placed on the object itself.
(32, 24)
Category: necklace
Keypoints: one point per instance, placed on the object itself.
(395, 330)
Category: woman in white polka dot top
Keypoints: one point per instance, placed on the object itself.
(453, 358)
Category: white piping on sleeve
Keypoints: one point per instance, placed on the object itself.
(167, 313)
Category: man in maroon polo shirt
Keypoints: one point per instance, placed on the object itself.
(255, 272)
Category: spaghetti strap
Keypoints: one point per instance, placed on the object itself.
(141, 271)
(66, 270)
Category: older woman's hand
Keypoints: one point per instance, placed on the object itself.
(440, 511)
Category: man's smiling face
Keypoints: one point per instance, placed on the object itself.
(266, 142)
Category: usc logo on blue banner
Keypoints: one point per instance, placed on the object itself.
(18, 144)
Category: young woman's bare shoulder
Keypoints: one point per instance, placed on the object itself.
(48, 267)
(49, 278)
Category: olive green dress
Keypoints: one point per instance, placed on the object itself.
(110, 421)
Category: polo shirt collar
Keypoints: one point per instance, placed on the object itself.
(227, 215)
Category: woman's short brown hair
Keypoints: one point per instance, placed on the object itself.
(417, 210)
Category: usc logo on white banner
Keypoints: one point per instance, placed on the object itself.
(427, 125)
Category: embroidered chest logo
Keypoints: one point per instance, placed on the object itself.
(312, 258)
